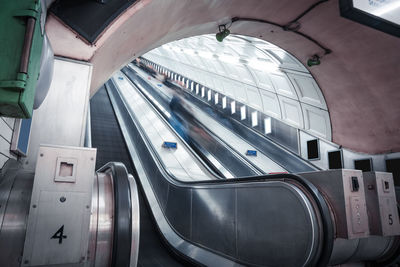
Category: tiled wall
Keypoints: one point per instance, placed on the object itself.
(6, 132)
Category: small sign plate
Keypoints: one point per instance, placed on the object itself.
(170, 145)
(251, 153)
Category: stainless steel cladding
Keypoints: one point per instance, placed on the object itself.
(101, 224)
(135, 222)
(344, 191)
(15, 196)
(76, 217)
(381, 203)
(348, 195)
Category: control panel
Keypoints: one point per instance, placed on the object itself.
(381, 203)
(60, 209)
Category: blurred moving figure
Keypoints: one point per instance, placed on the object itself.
(182, 119)
(178, 112)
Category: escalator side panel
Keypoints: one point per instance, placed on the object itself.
(152, 251)
(177, 208)
(220, 233)
(272, 215)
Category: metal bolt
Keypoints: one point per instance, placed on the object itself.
(62, 199)
(91, 158)
(26, 261)
(34, 206)
(87, 206)
(41, 154)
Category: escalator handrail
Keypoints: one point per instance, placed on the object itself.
(122, 234)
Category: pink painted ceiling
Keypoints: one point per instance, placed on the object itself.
(360, 79)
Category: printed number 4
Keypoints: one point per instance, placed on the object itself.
(59, 235)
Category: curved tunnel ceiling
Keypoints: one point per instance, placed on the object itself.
(253, 72)
(359, 79)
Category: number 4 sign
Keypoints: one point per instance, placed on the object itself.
(59, 235)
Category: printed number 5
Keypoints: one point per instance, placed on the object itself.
(390, 219)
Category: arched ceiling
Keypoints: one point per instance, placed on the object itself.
(255, 73)
(360, 78)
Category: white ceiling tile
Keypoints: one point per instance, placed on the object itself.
(282, 85)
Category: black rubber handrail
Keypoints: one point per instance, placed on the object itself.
(121, 247)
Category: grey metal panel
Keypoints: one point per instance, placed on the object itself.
(372, 248)
(135, 222)
(64, 124)
(214, 219)
(283, 233)
(284, 134)
(93, 224)
(177, 209)
(343, 250)
(160, 186)
(381, 203)
(105, 220)
(13, 227)
(44, 249)
(7, 178)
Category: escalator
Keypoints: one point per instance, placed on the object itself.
(204, 144)
(108, 139)
(289, 161)
(273, 220)
(270, 220)
(211, 222)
